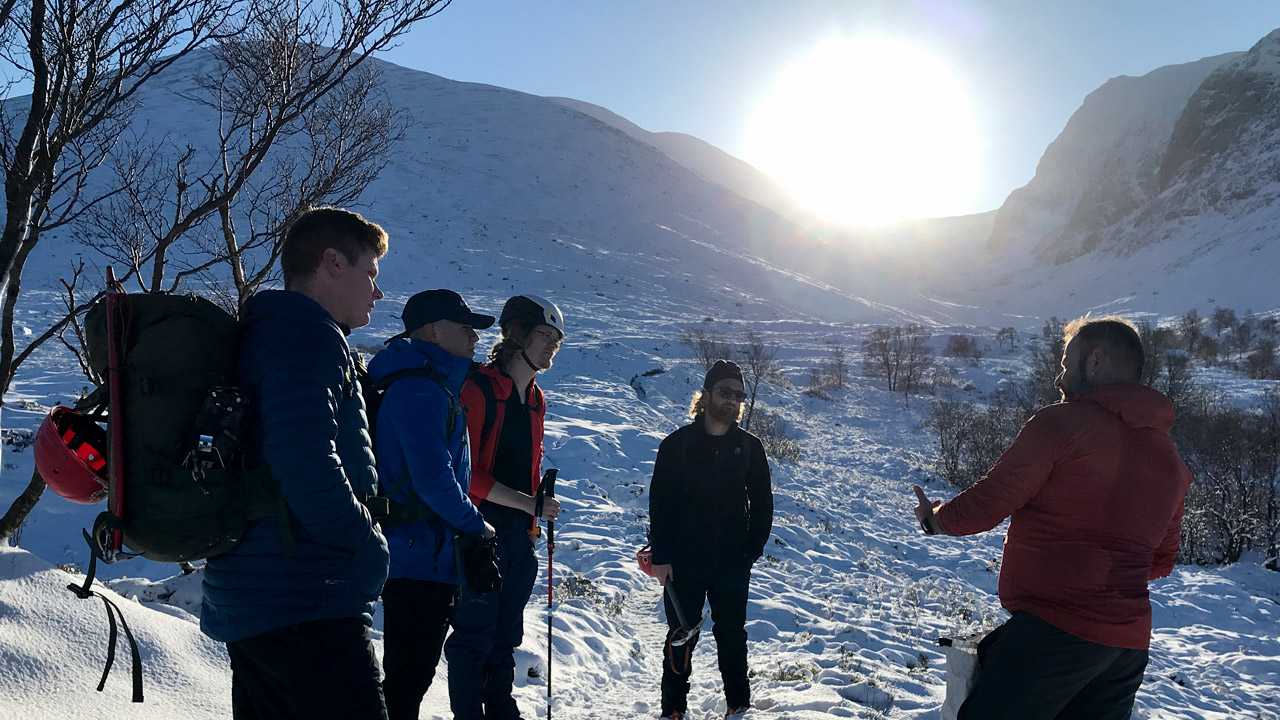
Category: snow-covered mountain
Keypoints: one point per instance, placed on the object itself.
(1161, 194)
(1104, 164)
(538, 194)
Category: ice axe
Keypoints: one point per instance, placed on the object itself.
(684, 634)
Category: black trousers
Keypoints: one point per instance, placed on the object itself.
(310, 671)
(416, 615)
(1031, 670)
(725, 588)
(488, 628)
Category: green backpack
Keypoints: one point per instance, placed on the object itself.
(184, 493)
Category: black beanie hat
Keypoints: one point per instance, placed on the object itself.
(722, 370)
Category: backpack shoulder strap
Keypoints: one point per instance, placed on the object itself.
(431, 373)
(485, 383)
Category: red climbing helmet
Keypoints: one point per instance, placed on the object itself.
(70, 456)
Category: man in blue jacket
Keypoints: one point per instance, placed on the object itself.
(294, 599)
(425, 462)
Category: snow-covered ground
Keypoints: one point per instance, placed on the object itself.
(844, 609)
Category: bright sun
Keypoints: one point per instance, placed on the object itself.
(869, 130)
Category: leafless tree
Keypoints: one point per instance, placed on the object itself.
(882, 355)
(759, 362)
(312, 114)
(1223, 318)
(1157, 344)
(1190, 327)
(708, 346)
(899, 355)
(84, 62)
(1009, 335)
(917, 360)
(963, 346)
(1261, 363)
(837, 365)
(289, 73)
(1243, 336)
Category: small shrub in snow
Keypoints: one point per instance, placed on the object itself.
(817, 387)
(772, 429)
(971, 437)
(793, 672)
(577, 586)
(965, 347)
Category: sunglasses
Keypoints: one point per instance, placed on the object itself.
(727, 394)
(551, 337)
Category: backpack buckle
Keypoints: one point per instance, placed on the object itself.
(379, 506)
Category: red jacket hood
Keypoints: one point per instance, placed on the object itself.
(1136, 404)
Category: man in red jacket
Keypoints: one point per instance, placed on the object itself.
(1094, 488)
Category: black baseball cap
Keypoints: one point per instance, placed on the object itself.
(431, 305)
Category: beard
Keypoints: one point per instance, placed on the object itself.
(723, 413)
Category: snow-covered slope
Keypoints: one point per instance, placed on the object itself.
(536, 193)
(706, 160)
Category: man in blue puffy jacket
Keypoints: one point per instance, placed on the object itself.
(425, 463)
(294, 599)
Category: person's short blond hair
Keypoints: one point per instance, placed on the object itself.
(1116, 336)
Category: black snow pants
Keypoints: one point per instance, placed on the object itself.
(320, 669)
(416, 615)
(725, 588)
(1031, 670)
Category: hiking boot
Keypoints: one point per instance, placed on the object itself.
(736, 713)
(673, 715)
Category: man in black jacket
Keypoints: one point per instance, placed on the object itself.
(711, 509)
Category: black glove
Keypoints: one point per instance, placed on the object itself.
(479, 563)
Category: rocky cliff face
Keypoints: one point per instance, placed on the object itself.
(1224, 154)
(1105, 165)
(1161, 194)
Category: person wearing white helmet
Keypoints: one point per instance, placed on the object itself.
(505, 414)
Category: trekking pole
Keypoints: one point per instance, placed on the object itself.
(546, 489)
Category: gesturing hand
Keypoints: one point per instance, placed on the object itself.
(924, 513)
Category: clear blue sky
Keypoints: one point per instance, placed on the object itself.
(700, 66)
